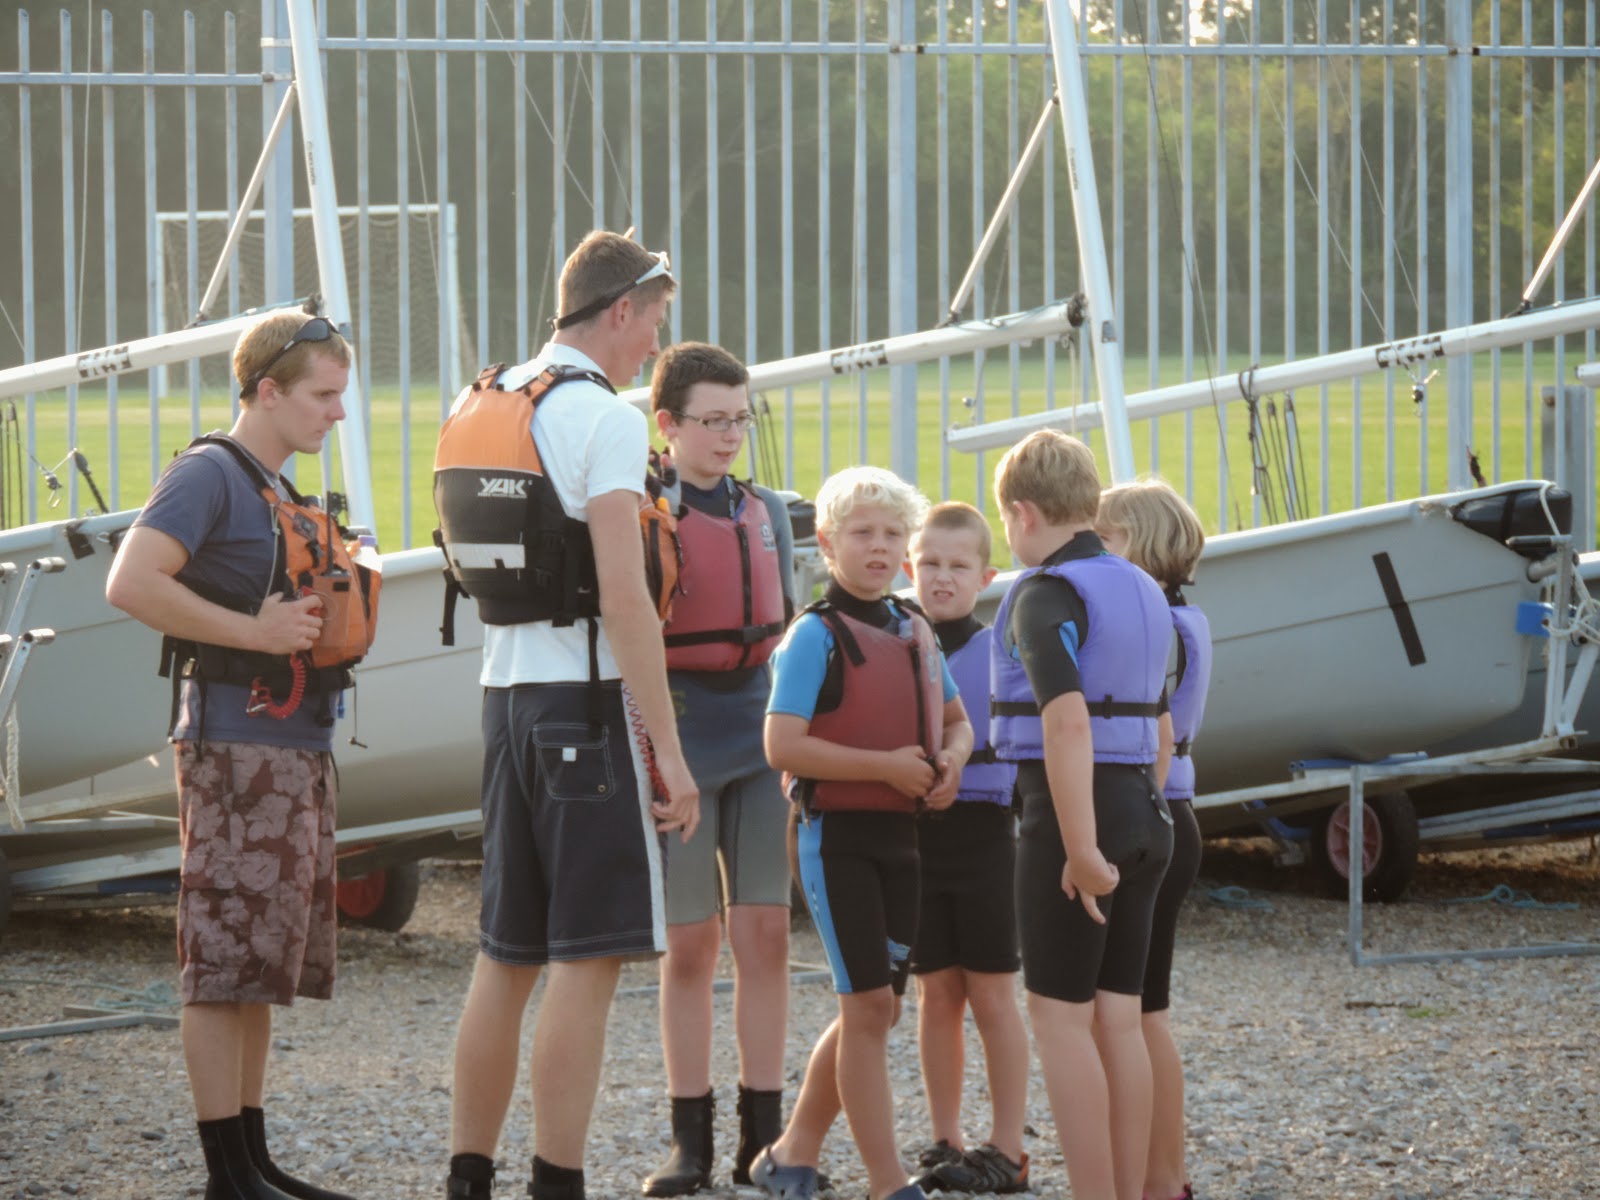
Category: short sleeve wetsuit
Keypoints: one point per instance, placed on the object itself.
(858, 869)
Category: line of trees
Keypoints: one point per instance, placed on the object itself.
(990, 103)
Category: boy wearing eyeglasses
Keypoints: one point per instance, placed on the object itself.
(256, 792)
(732, 606)
(573, 831)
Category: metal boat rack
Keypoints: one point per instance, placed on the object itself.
(1565, 621)
(16, 647)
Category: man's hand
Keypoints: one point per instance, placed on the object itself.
(906, 770)
(681, 807)
(943, 793)
(285, 626)
(1086, 876)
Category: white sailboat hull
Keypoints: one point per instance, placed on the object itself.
(1310, 662)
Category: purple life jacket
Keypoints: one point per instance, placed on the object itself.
(985, 779)
(1188, 698)
(1122, 664)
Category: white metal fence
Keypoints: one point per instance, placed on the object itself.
(1292, 178)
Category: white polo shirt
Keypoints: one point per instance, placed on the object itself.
(590, 443)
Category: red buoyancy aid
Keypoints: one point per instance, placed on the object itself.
(893, 696)
(715, 625)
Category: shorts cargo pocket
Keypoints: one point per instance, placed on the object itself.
(574, 761)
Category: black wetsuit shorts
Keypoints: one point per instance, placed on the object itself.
(1066, 955)
(1180, 877)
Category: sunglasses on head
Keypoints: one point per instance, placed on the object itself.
(661, 268)
(317, 329)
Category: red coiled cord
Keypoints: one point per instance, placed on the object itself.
(647, 751)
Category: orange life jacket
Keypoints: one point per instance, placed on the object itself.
(507, 541)
(731, 604)
(313, 555)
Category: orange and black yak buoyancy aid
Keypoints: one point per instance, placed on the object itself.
(508, 543)
(312, 555)
(719, 624)
(893, 696)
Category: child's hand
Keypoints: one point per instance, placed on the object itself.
(1087, 876)
(906, 770)
(943, 793)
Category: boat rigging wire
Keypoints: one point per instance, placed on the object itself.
(1191, 267)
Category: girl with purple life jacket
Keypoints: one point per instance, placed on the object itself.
(1149, 524)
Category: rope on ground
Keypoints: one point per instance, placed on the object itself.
(157, 997)
(1236, 897)
(1515, 898)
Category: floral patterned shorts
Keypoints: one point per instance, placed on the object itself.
(257, 918)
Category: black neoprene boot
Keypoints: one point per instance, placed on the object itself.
(255, 1138)
(232, 1176)
(688, 1166)
(760, 1124)
(471, 1177)
(551, 1182)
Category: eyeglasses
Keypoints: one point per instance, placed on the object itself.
(317, 329)
(721, 424)
(661, 269)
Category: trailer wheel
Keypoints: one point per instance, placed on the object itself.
(383, 899)
(1389, 858)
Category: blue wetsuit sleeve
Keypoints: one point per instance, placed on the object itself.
(1049, 622)
(951, 691)
(799, 665)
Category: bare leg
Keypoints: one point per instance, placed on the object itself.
(255, 1028)
(1165, 1175)
(993, 998)
(213, 1042)
(941, 1008)
(686, 973)
(1076, 1083)
(569, 1047)
(759, 935)
(488, 1043)
(1127, 1065)
(865, 1019)
(817, 1106)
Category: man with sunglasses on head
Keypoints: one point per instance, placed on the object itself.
(256, 792)
(573, 835)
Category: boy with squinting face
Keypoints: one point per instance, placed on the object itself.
(868, 726)
(966, 946)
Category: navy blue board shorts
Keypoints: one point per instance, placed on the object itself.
(859, 872)
(572, 862)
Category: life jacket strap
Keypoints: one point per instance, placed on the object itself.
(747, 635)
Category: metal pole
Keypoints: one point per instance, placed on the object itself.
(991, 235)
(1105, 339)
(90, 365)
(246, 203)
(1458, 234)
(1344, 364)
(1559, 242)
(330, 249)
(1357, 859)
(1050, 321)
(903, 231)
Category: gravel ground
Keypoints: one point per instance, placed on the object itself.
(1308, 1077)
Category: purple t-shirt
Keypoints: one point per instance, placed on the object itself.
(215, 510)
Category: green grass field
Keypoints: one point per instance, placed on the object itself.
(403, 504)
